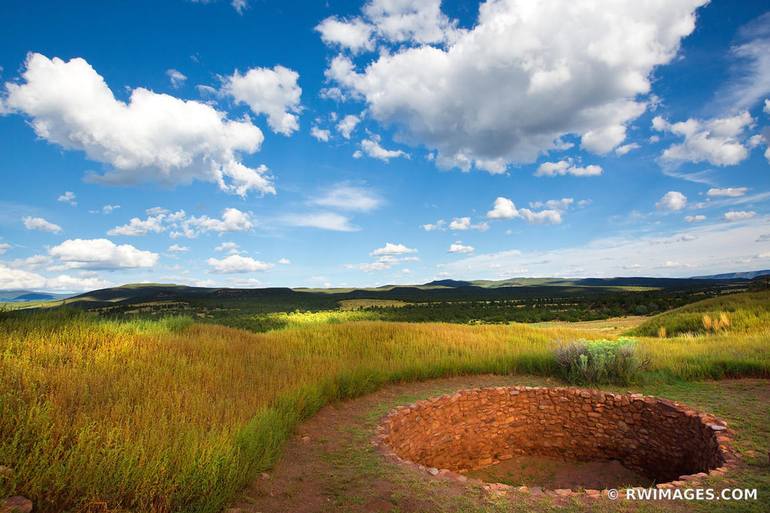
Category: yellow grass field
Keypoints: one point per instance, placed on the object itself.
(176, 416)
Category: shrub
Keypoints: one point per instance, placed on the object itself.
(599, 361)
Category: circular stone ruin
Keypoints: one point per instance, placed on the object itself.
(665, 442)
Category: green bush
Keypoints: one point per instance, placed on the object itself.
(599, 361)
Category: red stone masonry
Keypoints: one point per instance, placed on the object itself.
(471, 429)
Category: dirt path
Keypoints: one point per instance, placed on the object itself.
(330, 465)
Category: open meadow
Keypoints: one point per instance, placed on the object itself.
(172, 415)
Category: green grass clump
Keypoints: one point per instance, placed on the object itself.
(600, 362)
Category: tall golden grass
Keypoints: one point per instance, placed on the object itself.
(172, 416)
(736, 313)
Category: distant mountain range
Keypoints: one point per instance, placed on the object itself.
(747, 275)
(10, 296)
(530, 285)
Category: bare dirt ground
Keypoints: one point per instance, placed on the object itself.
(331, 465)
(554, 473)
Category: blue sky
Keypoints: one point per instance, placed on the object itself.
(362, 143)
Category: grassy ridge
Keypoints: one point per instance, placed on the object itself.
(747, 313)
(175, 416)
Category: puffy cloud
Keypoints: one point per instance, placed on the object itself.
(137, 227)
(389, 255)
(560, 204)
(622, 150)
(31, 262)
(152, 137)
(431, 227)
(237, 264)
(101, 254)
(176, 248)
(12, 278)
(240, 5)
(320, 134)
(230, 247)
(160, 220)
(68, 197)
(672, 201)
(464, 223)
(695, 219)
(232, 220)
(766, 109)
(419, 21)
(177, 78)
(730, 192)
(392, 249)
(504, 208)
(321, 220)
(460, 223)
(347, 124)
(541, 217)
(372, 148)
(38, 223)
(354, 35)
(739, 215)
(284, 261)
(19, 279)
(344, 196)
(755, 141)
(717, 141)
(273, 92)
(459, 247)
(392, 21)
(4, 246)
(525, 75)
(567, 167)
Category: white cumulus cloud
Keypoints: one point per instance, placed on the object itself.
(273, 92)
(68, 197)
(372, 148)
(176, 248)
(739, 215)
(347, 124)
(526, 74)
(730, 192)
(237, 264)
(176, 77)
(152, 137)
(40, 224)
(718, 141)
(354, 35)
(672, 201)
(13, 278)
(101, 254)
(320, 134)
(459, 247)
(567, 167)
(392, 249)
(504, 208)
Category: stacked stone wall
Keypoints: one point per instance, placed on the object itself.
(475, 428)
